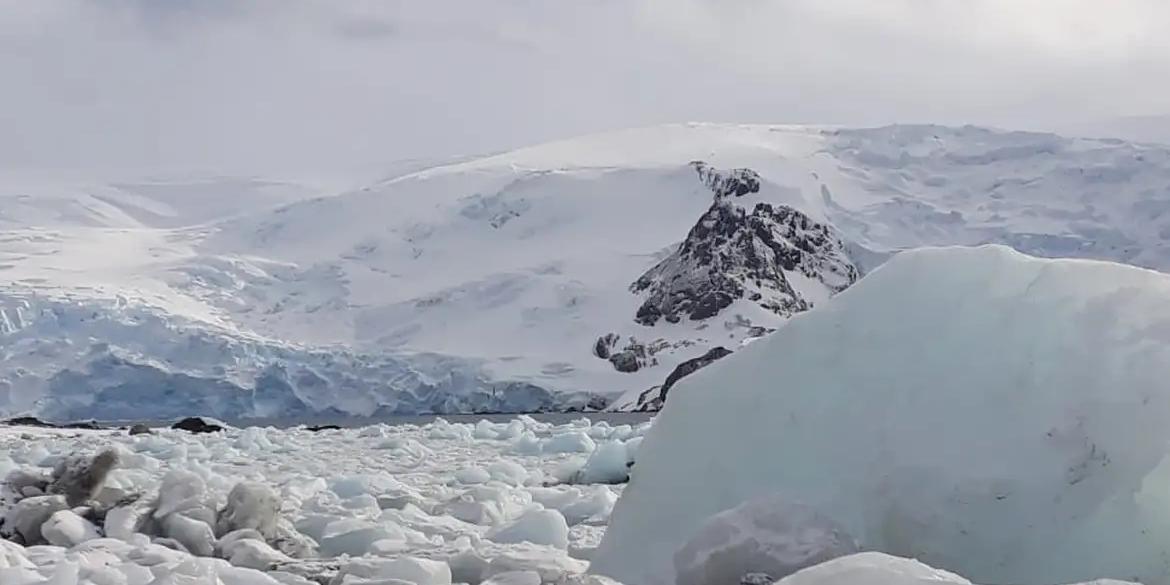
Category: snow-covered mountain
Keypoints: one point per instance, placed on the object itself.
(541, 278)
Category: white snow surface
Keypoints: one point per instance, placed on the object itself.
(482, 285)
(989, 413)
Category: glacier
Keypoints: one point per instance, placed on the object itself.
(993, 414)
(484, 284)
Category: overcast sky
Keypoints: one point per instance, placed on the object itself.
(272, 86)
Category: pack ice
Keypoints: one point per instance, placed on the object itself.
(988, 413)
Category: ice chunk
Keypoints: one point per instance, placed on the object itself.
(465, 508)
(989, 413)
(195, 535)
(514, 578)
(250, 505)
(607, 464)
(354, 536)
(472, 475)
(27, 482)
(66, 529)
(569, 442)
(24, 520)
(527, 444)
(293, 543)
(409, 569)
(253, 554)
(553, 565)
(373, 484)
(226, 541)
(181, 491)
(547, 527)
(122, 522)
(485, 429)
(284, 578)
(584, 539)
(243, 576)
(13, 555)
(767, 535)
(64, 573)
(872, 568)
(508, 471)
(577, 503)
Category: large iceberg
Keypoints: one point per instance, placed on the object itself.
(992, 414)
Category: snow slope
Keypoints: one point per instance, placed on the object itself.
(989, 413)
(486, 283)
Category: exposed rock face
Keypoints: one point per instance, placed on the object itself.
(195, 424)
(742, 252)
(634, 355)
(28, 421)
(627, 361)
(654, 398)
(605, 345)
(737, 182)
(733, 253)
(693, 365)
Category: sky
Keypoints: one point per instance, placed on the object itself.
(282, 86)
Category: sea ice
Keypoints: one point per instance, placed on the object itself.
(547, 527)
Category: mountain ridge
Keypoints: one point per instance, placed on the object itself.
(508, 268)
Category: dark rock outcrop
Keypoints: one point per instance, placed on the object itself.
(88, 425)
(734, 182)
(627, 361)
(653, 399)
(604, 346)
(733, 253)
(29, 421)
(634, 355)
(140, 429)
(693, 365)
(195, 424)
(32, 421)
(319, 428)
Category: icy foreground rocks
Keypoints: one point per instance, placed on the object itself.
(769, 536)
(435, 504)
(1000, 416)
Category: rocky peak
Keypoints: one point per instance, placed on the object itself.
(737, 182)
(734, 253)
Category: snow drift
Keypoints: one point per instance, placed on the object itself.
(988, 413)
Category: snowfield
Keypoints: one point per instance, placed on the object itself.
(490, 284)
(997, 415)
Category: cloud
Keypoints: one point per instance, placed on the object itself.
(273, 86)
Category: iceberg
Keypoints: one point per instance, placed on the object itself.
(996, 415)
